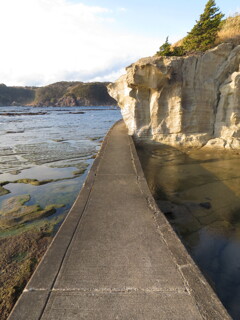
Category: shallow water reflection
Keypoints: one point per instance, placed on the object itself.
(199, 192)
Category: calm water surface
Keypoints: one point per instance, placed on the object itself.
(50, 143)
(199, 192)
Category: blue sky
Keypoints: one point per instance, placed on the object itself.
(45, 41)
(156, 18)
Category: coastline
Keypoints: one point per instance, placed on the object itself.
(41, 286)
(44, 162)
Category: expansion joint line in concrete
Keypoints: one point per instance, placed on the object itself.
(127, 290)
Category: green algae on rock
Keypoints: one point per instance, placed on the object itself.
(34, 182)
(14, 212)
(3, 191)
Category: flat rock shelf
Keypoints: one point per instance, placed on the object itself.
(116, 256)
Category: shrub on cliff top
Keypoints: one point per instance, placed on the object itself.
(167, 50)
(204, 33)
(202, 36)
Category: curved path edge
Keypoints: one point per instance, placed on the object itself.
(115, 255)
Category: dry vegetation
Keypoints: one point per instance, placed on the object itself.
(229, 32)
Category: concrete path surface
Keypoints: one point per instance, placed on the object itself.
(116, 256)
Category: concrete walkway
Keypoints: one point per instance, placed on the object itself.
(115, 256)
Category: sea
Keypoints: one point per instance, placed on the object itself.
(55, 146)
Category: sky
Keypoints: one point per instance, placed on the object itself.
(45, 41)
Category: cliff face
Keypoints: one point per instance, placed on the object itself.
(183, 101)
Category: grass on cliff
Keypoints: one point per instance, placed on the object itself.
(229, 31)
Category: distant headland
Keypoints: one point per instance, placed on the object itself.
(59, 94)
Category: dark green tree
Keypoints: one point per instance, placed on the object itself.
(178, 51)
(203, 34)
(165, 49)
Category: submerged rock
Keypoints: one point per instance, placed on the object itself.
(34, 182)
(183, 101)
(14, 212)
(3, 191)
(206, 205)
(12, 114)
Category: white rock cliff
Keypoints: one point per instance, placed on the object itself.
(188, 101)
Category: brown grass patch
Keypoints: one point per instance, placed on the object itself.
(230, 30)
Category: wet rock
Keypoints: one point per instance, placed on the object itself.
(95, 138)
(15, 212)
(20, 131)
(15, 172)
(3, 191)
(82, 167)
(205, 205)
(207, 219)
(58, 140)
(222, 227)
(165, 206)
(79, 112)
(12, 114)
(34, 182)
(3, 183)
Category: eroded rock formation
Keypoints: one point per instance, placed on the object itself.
(183, 101)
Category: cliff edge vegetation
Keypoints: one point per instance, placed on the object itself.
(229, 32)
(209, 31)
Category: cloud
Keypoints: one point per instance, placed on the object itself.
(122, 9)
(44, 41)
(108, 77)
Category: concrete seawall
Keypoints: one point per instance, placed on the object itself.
(116, 256)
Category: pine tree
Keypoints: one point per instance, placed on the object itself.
(203, 34)
(165, 49)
